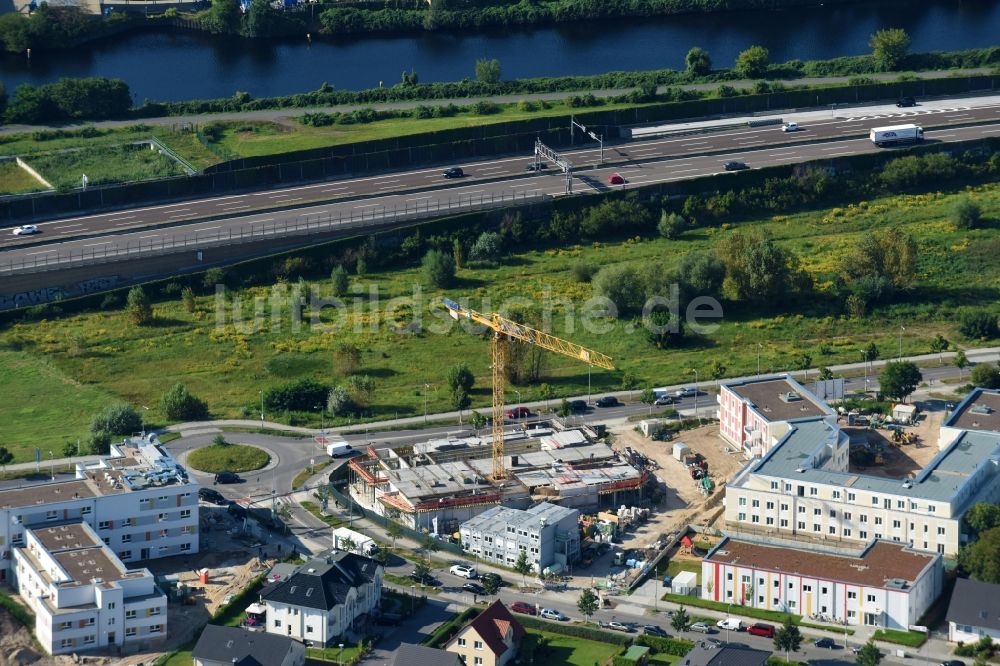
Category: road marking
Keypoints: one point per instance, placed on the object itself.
(150, 236)
(176, 216)
(417, 199)
(31, 254)
(942, 136)
(67, 226)
(236, 207)
(124, 224)
(334, 189)
(124, 217)
(208, 228)
(694, 143)
(791, 154)
(684, 170)
(101, 243)
(849, 152)
(368, 206)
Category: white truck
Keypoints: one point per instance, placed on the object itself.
(896, 134)
(338, 449)
(355, 542)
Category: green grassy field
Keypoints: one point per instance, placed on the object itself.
(100, 354)
(571, 650)
(230, 458)
(15, 180)
(110, 164)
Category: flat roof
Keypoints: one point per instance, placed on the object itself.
(58, 538)
(979, 411)
(45, 493)
(770, 398)
(446, 478)
(497, 518)
(876, 566)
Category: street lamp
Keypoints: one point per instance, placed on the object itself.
(518, 396)
(262, 409)
(695, 392)
(589, 368)
(340, 655)
(759, 347)
(142, 419)
(902, 329)
(322, 419)
(427, 387)
(52, 462)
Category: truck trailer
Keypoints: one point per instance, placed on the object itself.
(896, 134)
(355, 542)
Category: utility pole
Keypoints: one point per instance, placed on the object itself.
(593, 135)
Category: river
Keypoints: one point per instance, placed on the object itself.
(167, 65)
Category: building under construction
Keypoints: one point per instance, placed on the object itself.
(437, 485)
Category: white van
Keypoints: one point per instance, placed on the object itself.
(731, 623)
(338, 449)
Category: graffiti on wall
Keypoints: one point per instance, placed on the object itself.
(24, 299)
(97, 284)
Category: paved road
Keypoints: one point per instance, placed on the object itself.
(375, 198)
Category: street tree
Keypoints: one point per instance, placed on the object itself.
(339, 280)
(717, 370)
(491, 584)
(985, 375)
(899, 379)
(982, 516)
(522, 565)
(869, 655)
(439, 268)
(825, 373)
(6, 457)
(478, 420)
(459, 376)
(421, 569)
(680, 620)
(587, 603)
(393, 531)
(488, 71)
(788, 638)
(648, 397)
(961, 362)
(939, 345)
(889, 47)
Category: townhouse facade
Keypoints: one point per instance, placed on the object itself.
(82, 595)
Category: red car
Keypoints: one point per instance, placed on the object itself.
(761, 629)
(616, 179)
(518, 413)
(521, 607)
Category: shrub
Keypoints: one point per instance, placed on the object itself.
(985, 375)
(339, 280)
(670, 225)
(303, 395)
(698, 62)
(485, 107)
(487, 247)
(120, 418)
(339, 402)
(967, 214)
(752, 63)
(138, 308)
(179, 405)
(214, 277)
(675, 646)
(439, 268)
(978, 324)
(575, 630)
(99, 443)
(582, 271)
(488, 71)
(621, 285)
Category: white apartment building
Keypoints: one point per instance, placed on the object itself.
(752, 411)
(886, 585)
(803, 489)
(324, 599)
(547, 532)
(82, 595)
(138, 500)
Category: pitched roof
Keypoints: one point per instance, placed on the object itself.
(975, 603)
(733, 654)
(492, 625)
(233, 645)
(324, 583)
(419, 655)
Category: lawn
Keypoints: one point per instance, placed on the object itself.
(103, 354)
(15, 180)
(677, 566)
(111, 164)
(908, 638)
(228, 458)
(571, 650)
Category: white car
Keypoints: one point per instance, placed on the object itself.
(552, 614)
(464, 571)
(700, 627)
(25, 230)
(790, 127)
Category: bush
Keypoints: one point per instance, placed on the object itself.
(302, 396)
(99, 443)
(967, 214)
(339, 280)
(339, 401)
(675, 646)
(20, 613)
(985, 375)
(582, 271)
(138, 307)
(439, 268)
(670, 226)
(978, 324)
(487, 247)
(120, 418)
(179, 405)
(621, 285)
(752, 63)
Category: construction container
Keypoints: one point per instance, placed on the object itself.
(681, 450)
(203, 576)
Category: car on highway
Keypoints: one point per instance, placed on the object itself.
(700, 627)
(453, 172)
(228, 477)
(537, 166)
(615, 625)
(654, 630)
(735, 165)
(552, 614)
(464, 571)
(664, 400)
(577, 406)
(521, 607)
(906, 102)
(475, 588)
(790, 127)
(25, 230)
(686, 392)
(607, 401)
(616, 179)
(518, 413)
(825, 642)
(212, 496)
(761, 629)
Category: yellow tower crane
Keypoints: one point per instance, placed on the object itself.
(505, 330)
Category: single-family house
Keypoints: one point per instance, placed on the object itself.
(974, 611)
(232, 646)
(491, 639)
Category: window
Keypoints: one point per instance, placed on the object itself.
(802, 509)
(309, 629)
(85, 511)
(64, 625)
(66, 642)
(817, 511)
(745, 580)
(783, 523)
(185, 513)
(823, 590)
(900, 504)
(160, 517)
(802, 524)
(130, 615)
(770, 506)
(130, 631)
(755, 504)
(111, 621)
(153, 611)
(126, 538)
(807, 588)
(863, 518)
(863, 534)
(895, 524)
(477, 645)
(774, 485)
(940, 548)
(743, 501)
(870, 598)
(788, 487)
(51, 515)
(931, 508)
(852, 594)
(791, 604)
(940, 531)
(850, 497)
(836, 494)
(851, 614)
(813, 492)
(875, 500)
(461, 642)
(878, 520)
(784, 507)
(478, 661)
(833, 514)
(741, 517)
(847, 531)
(125, 554)
(185, 547)
(111, 605)
(847, 515)
(817, 527)
(729, 576)
(89, 622)
(777, 583)
(833, 529)
(277, 623)
(755, 518)
(769, 520)
(104, 525)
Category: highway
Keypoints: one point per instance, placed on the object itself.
(639, 162)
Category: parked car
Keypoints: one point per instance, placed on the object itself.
(237, 511)
(664, 400)
(464, 571)
(552, 614)
(453, 172)
(905, 102)
(518, 413)
(227, 477)
(825, 642)
(710, 644)
(212, 496)
(577, 406)
(953, 662)
(686, 392)
(735, 165)
(761, 629)
(389, 619)
(25, 230)
(426, 579)
(616, 179)
(700, 627)
(537, 166)
(607, 401)
(475, 588)
(790, 127)
(521, 607)
(654, 630)
(614, 625)
(731, 623)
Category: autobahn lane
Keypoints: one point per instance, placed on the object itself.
(552, 184)
(816, 126)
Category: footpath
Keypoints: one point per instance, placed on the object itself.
(280, 114)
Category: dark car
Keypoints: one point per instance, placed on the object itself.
(475, 588)
(953, 662)
(761, 629)
(735, 165)
(521, 607)
(227, 477)
(389, 619)
(577, 405)
(213, 496)
(237, 511)
(453, 172)
(653, 630)
(537, 166)
(518, 413)
(905, 102)
(826, 642)
(426, 579)
(607, 401)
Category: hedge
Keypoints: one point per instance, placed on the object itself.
(908, 638)
(238, 603)
(619, 660)
(677, 647)
(576, 631)
(443, 634)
